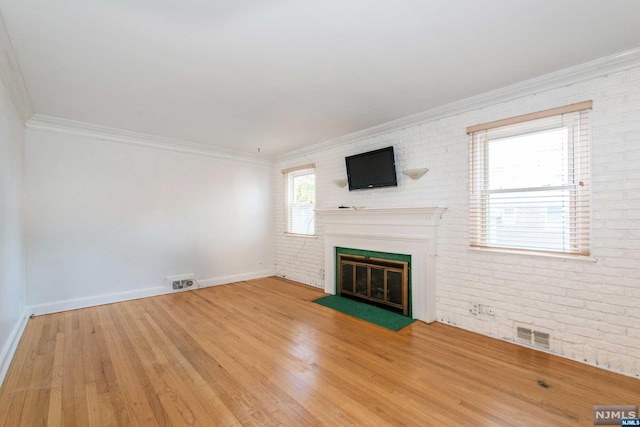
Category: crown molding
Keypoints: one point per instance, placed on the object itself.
(12, 76)
(589, 70)
(42, 123)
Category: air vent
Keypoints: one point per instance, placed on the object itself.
(541, 339)
(532, 337)
(524, 335)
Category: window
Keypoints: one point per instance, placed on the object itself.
(530, 182)
(300, 185)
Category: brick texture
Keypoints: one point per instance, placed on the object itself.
(590, 308)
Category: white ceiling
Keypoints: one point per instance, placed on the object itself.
(282, 74)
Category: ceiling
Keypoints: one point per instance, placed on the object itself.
(283, 74)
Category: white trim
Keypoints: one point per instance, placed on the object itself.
(558, 256)
(291, 175)
(411, 231)
(12, 76)
(235, 278)
(310, 166)
(50, 124)
(589, 70)
(383, 216)
(74, 304)
(11, 345)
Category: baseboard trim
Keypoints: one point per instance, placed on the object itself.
(11, 345)
(74, 304)
(235, 278)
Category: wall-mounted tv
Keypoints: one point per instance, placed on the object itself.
(372, 169)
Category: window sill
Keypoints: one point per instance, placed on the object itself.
(312, 236)
(562, 257)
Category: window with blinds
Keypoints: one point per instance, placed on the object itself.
(530, 182)
(301, 193)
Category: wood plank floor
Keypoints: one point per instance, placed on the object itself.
(260, 353)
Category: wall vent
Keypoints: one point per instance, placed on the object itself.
(530, 336)
(524, 335)
(541, 339)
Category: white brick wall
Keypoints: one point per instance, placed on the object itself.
(591, 309)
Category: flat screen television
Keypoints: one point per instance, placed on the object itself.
(372, 169)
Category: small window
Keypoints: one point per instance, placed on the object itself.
(300, 186)
(530, 182)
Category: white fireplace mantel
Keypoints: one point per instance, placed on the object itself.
(410, 231)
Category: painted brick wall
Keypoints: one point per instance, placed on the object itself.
(590, 308)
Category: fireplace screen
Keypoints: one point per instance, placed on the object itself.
(379, 281)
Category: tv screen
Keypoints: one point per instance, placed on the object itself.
(372, 169)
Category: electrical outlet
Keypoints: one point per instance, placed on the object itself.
(179, 282)
(477, 309)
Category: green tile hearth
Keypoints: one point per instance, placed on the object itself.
(372, 314)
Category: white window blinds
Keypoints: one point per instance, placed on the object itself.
(301, 194)
(530, 182)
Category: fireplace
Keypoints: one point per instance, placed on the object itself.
(377, 278)
(410, 231)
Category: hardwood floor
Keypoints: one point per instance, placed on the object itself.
(260, 353)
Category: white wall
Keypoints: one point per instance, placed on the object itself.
(590, 308)
(12, 251)
(108, 221)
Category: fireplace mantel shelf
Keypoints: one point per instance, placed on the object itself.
(390, 213)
